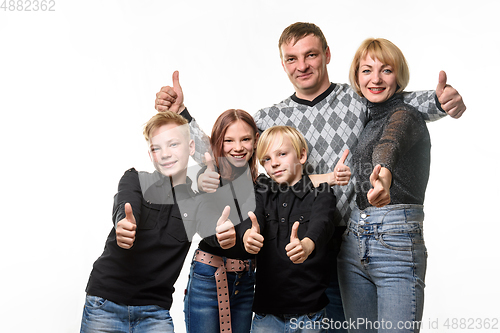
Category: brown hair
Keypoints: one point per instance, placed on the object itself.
(299, 30)
(226, 119)
(163, 118)
(387, 53)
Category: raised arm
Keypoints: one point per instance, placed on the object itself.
(171, 98)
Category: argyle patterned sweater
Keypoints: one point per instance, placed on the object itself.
(331, 123)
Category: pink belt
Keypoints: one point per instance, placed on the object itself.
(232, 265)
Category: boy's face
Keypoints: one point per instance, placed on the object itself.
(282, 163)
(169, 150)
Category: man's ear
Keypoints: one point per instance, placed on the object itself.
(303, 156)
(328, 55)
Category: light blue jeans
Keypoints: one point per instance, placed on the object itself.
(310, 323)
(201, 309)
(101, 315)
(381, 269)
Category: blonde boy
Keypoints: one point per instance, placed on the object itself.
(291, 227)
(154, 217)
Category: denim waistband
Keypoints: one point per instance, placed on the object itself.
(407, 218)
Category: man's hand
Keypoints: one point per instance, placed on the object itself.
(252, 239)
(125, 229)
(298, 250)
(209, 180)
(450, 99)
(341, 173)
(171, 98)
(226, 235)
(381, 179)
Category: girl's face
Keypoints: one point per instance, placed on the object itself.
(377, 81)
(239, 143)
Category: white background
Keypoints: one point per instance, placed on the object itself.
(77, 84)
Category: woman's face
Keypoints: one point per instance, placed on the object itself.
(377, 81)
(239, 143)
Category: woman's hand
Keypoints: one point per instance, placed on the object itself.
(381, 180)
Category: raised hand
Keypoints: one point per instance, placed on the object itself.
(451, 101)
(252, 239)
(125, 229)
(225, 233)
(209, 180)
(342, 173)
(171, 98)
(381, 179)
(298, 250)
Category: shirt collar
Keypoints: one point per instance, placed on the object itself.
(300, 188)
(182, 191)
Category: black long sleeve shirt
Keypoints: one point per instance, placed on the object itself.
(166, 219)
(396, 137)
(283, 287)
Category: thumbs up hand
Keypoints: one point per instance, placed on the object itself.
(125, 229)
(171, 98)
(209, 180)
(225, 233)
(380, 194)
(341, 173)
(252, 239)
(451, 101)
(298, 250)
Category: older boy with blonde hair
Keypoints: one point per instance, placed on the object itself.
(154, 215)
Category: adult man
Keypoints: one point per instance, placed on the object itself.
(330, 116)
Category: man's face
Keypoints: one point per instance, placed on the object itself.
(304, 61)
(169, 149)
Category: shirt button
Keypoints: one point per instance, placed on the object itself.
(282, 219)
(363, 216)
(185, 214)
(284, 204)
(236, 292)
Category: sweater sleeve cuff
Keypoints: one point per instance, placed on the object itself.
(186, 115)
(438, 104)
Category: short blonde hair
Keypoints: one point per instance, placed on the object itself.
(267, 137)
(387, 53)
(164, 118)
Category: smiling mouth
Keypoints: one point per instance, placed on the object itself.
(304, 76)
(376, 90)
(239, 156)
(168, 165)
(278, 173)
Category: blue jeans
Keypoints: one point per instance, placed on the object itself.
(101, 315)
(310, 323)
(201, 310)
(381, 269)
